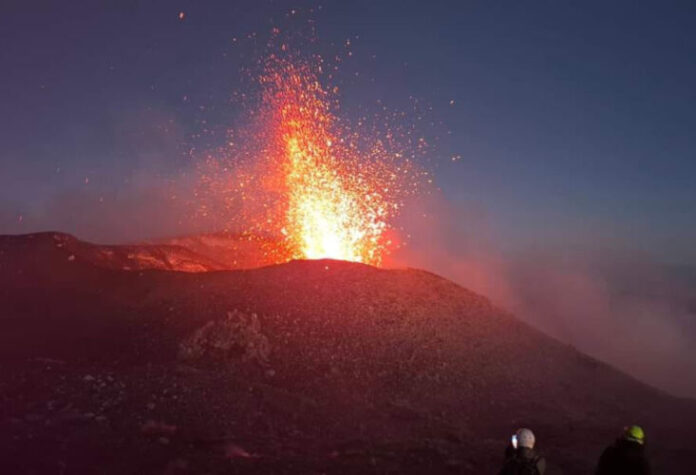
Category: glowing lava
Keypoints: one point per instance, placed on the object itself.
(334, 209)
(298, 175)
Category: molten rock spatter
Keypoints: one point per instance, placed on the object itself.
(236, 337)
(301, 174)
(334, 209)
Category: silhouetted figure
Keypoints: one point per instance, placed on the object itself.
(626, 456)
(520, 456)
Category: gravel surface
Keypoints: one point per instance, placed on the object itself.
(306, 367)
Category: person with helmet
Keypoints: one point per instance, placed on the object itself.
(520, 456)
(626, 455)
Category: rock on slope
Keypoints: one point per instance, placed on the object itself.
(306, 367)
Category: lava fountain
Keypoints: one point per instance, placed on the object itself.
(323, 188)
(333, 209)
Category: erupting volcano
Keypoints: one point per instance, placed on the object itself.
(304, 175)
(222, 252)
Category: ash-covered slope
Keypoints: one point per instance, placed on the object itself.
(307, 367)
(162, 256)
(231, 250)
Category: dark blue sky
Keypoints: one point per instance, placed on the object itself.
(575, 122)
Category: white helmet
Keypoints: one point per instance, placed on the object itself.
(525, 438)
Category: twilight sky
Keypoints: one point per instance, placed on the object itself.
(574, 122)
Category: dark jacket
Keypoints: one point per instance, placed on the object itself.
(522, 457)
(624, 457)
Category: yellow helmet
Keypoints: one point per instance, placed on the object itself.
(634, 434)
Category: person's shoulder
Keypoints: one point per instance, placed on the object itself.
(540, 462)
(610, 450)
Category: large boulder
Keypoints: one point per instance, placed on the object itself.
(237, 337)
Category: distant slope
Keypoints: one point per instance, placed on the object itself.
(345, 369)
(162, 256)
(232, 250)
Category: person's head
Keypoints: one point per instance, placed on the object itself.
(525, 438)
(634, 434)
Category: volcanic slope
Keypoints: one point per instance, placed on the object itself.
(230, 250)
(305, 367)
(163, 256)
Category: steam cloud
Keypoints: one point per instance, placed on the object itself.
(625, 309)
